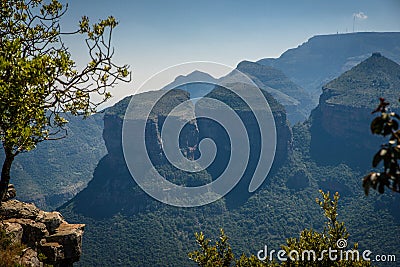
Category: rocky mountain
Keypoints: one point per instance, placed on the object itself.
(324, 57)
(128, 228)
(296, 100)
(161, 235)
(240, 193)
(331, 151)
(113, 190)
(340, 124)
(55, 171)
(60, 177)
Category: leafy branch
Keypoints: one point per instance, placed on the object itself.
(387, 125)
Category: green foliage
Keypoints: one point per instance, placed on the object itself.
(5, 240)
(221, 253)
(322, 242)
(386, 124)
(39, 80)
(39, 76)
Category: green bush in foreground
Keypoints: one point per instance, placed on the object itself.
(297, 251)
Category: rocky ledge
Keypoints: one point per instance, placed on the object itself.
(48, 238)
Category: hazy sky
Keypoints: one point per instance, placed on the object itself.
(154, 35)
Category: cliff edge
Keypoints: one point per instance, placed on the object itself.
(46, 238)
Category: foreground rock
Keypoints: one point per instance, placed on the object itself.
(45, 233)
(11, 193)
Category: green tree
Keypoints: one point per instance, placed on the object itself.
(333, 237)
(39, 80)
(219, 255)
(334, 231)
(386, 124)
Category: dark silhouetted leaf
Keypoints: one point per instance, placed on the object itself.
(381, 188)
(377, 125)
(395, 125)
(378, 157)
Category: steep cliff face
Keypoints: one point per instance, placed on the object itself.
(240, 192)
(341, 122)
(41, 233)
(113, 190)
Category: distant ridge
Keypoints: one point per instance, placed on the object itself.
(324, 57)
(197, 83)
(297, 101)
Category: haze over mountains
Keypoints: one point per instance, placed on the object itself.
(324, 57)
(295, 78)
(311, 59)
(57, 170)
(312, 158)
(197, 83)
(329, 150)
(297, 102)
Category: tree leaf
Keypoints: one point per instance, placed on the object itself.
(377, 125)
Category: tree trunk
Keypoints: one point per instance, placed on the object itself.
(5, 173)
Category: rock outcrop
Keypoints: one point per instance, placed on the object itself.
(48, 238)
(11, 193)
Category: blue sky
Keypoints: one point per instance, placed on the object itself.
(156, 34)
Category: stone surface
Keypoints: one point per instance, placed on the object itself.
(45, 233)
(18, 210)
(52, 220)
(33, 231)
(11, 193)
(55, 251)
(30, 258)
(15, 229)
(69, 236)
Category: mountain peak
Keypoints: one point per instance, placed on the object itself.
(376, 54)
(196, 83)
(190, 80)
(198, 73)
(361, 86)
(247, 63)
